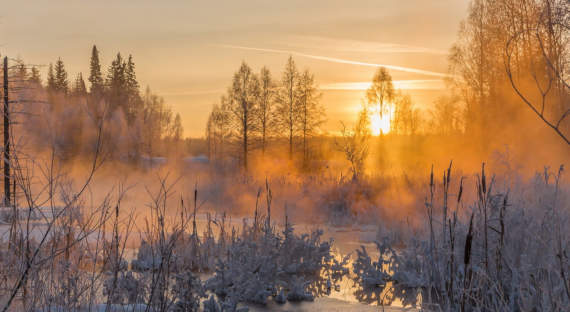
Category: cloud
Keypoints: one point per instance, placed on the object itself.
(339, 60)
(348, 45)
(425, 84)
(189, 92)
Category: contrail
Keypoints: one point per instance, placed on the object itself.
(338, 60)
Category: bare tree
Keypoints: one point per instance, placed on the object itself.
(243, 99)
(446, 115)
(539, 53)
(266, 99)
(218, 129)
(406, 117)
(354, 143)
(311, 113)
(287, 112)
(381, 93)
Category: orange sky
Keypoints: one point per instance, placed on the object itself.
(188, 50)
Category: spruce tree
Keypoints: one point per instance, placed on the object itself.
(21, 70)
(35, 76)
(116, 83)
(132, 89)
(95, 76)
(51, 79)
(79, 88)
(61, 83)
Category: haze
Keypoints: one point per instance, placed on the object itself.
(187, 51)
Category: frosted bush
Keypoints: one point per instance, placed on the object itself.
(265, 263)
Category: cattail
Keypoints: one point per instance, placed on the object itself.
(431, 177)
(468, 241)
(449, 172)
(483, 179)
(460, 190)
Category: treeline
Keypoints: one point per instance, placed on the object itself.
(135, 123)
(507, 86)
(258, 107)
(512, 53)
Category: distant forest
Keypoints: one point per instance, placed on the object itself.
(62, 114)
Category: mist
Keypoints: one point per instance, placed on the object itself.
(313, 172)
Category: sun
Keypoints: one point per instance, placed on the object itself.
(379, 125)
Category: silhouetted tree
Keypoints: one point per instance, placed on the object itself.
(35, 76)
(177, 129)
(219, 129)
(79, 88)
(60, 83)
(132, 90)
(287, 110)
(243, 98)
(50, 79)
(381, 93)
(354, 143)
(311, 113)
(117, 84)
(446, 115)
(406, 117)
(95, 76)
(266, 99)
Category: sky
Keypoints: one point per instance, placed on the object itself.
(187, 51)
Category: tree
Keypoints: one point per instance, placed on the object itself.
(21, 72)
(266, 99)
(60, 83)
(79, 88)
(132, 89)
(95, 76)
(446, 115)
(218, 129)
(355, 143)
(406, 117)
(51, 79)
(287, 111)
(35, 76)
(508, 51)
(117, 84)
(539, 52)
(177, 129)
(311, 113)
(381, 93)
(243, 99)
(157, 122)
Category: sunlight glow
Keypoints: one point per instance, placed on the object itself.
(380, 125)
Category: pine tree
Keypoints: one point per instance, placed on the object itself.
(132, 90)
(61, 84)
(95, 76)
(79, 88)
(51, 79)
(131, 78)
(21, 70)
(116, 84)
(35, 76)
